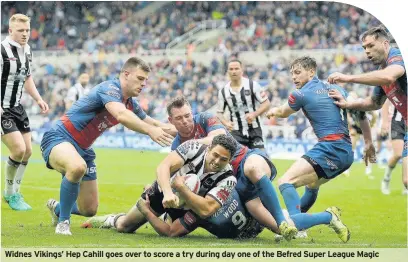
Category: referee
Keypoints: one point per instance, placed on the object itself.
(246, 102)
(16, 61)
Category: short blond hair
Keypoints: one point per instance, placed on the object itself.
(19, 18)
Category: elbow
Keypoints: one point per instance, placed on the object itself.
(388, 80)
(120, 116)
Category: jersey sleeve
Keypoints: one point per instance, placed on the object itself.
(295, 100)
(223, 189)
(189, 149)
(221, 103)
(260, 93)
(190, 221)
(107, 93)
(210, 122)
(395, 58)
(30, 62)
(138, 110)
(176, 142)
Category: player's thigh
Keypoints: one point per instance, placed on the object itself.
(14, 141)
(64, 157)
(255, 167)
(88, 198)
(397, 147)
(299, 174)
(28, 145)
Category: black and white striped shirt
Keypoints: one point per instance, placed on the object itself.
(15, 69)
(76, 92)
(250, 96)
(218, 185)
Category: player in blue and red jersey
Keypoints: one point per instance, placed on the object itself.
(67, 146)
(390, 81)
(331, 156)
(252, 168)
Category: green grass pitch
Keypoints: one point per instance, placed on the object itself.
(375, 220)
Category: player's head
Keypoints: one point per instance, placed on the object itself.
(234, 69)
(19, 28)
(134, 75)
(222, 149)
(376, 43)
(83, 79)
(303, 69)
(181, 115)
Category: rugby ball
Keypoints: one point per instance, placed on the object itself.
(192, 181)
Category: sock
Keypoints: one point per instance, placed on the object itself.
(68, 195)
(291, 197)
(11, 170)
(74, 209)
(387, 174)
(308, 199)
(304, 221)
(269, 198)
(19, 176)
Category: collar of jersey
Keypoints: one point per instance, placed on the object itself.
(314, 80)
(12, 42)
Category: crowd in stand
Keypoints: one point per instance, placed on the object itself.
(251, 25)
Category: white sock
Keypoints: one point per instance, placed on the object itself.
(19, 176)
(11, 170)
(387, 174)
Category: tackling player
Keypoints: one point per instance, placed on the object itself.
(390, 81)
(67, 146)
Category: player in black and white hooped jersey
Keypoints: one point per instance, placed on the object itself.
(16, 58)
(246, 102)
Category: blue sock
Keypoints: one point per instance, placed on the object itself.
(68, 195)
(304, 221)
(291, 197)
(308, 199)
(74, 209)
(269, 198)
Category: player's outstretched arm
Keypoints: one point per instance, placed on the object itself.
(202, 206)
(169, 165)
(380, 77)
(131, 121)
(369, 150)
(168, 128)
(31, 89)
(385, 118)
(175, 229)
(282, 112)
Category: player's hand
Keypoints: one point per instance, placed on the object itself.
(369, 154)
(338, 78)
(339, 100)
(272, 112)
(250, 117)
(146, 187)
(178, 181)
(170, 200)
(158, 135)
(143, 205)
(44, 106)
(229, 125)
(170, 129)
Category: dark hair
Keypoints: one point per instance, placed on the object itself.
(306, 62)
(225, 141)
(377, 32)
(177, 102)
(235, 60)
(135, 62)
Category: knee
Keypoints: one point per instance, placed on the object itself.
(121, 227)
(28, 153)
(77, 170)
(18, 152)
(397, 156)
(89, 211)
(284, 180)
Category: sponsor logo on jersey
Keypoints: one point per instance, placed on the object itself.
(113, 87)
(223, 194)
(247, 92)
(189, 218)
(113, 94)
(212, 121)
